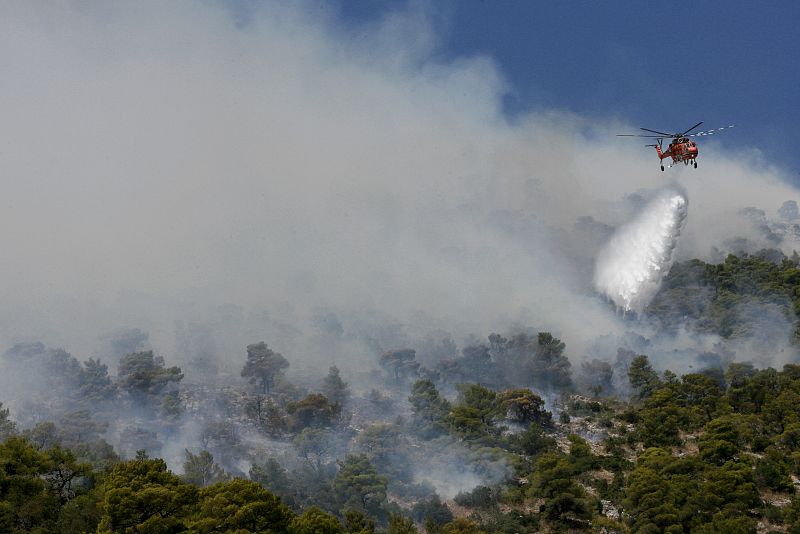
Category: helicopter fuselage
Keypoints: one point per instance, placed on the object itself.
(681, 149)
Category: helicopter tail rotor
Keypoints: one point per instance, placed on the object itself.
(658, 143)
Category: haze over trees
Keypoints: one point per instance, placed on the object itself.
(502, 435)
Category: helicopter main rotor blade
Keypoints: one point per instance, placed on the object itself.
(659, 133)
(639, 135)
(690, 129)
(711, 131)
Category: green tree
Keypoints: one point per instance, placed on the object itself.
(656, 490)
(551, 369)
(566, 502)
(598, 376)
(386, 447)
(44, 490)
(739, 376)
(201, 470)
(764, 385)
(538, 361)
(143, 375)
(315, 521)
(358, 485)
(401, 364)
(523, 406)
(400, 525)
(476, 365)
(432, 511)
(476, 414)
(661, 419)
(221, 437)
(65, 473)
(781, 410)
(81, 514)
(790, 438)
(725, 493)
(462, 525)
(96, 385)
(143, 496)
(580, 454)
(643, 379)
(429, 409)
(263, 366)
(272, 476)
(729, 525)
(76, 428)
(267, 415)
(62, 373)
(255, 408)
(722, 440)
(532, 442)
(356, 522)
(27, 503)
(171, 405)
(43, 436)
(240, 506)
(772, 470)
(335, 388)
(7, 427)
(702, 394)
(485, 497)
(314, 411)
(313, 444)
(792, 514)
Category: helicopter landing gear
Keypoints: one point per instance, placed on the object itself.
(695, 164)
(662, 168)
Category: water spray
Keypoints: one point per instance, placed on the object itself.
(631, 266)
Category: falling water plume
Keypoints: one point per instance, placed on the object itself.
(630, 268)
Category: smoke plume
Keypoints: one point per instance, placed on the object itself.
(215, 181)
(630, 268)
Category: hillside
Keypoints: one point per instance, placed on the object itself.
(500, 436)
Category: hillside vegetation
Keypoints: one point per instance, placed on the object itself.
(500, 436)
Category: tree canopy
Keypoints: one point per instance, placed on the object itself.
(263, 366)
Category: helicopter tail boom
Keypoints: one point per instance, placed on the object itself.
(661, 154)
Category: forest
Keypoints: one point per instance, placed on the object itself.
(511, 433)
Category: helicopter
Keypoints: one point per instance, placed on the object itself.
(682, 148)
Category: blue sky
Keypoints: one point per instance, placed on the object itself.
(661, 65)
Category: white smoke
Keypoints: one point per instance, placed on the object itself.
(630, 267)
(166, 165)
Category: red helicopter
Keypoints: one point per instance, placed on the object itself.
(681, 148)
